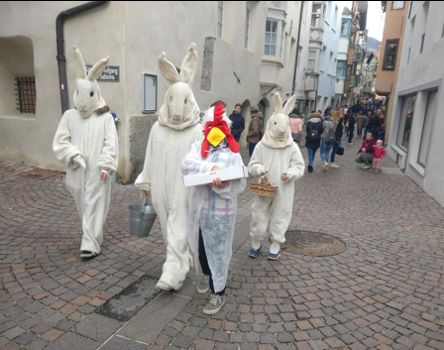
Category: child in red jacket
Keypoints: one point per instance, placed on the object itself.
(378, 154)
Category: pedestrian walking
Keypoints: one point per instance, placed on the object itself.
(86, 142)
(237, 122)
(255, 128)
(213, 207)
(278, 160)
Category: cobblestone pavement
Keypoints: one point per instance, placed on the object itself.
(386, 291)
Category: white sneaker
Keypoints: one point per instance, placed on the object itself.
(202, 285)
(214, 304)
(334, 165)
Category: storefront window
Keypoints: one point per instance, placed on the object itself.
(405, 125)
(427, 128)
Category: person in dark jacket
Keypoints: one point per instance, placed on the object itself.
(237, 122)
(255, 128)
(314, 129)
(339, 132)
(351, 122)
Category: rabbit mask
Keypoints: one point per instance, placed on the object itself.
(87, 97)
(179, 110)
(278, 132)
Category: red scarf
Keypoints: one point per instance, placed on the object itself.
(223, 126)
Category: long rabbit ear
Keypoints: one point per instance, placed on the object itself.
(168, 69)
(289, 105)
(189, 64)
(98, 68)
(277, 102)
(80, 61)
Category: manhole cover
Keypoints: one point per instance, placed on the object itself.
(37, 173)
(314, 243)
(129, 301)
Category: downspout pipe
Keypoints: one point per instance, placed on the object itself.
(60, 36)
(297, 48)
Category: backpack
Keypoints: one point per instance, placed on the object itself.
(313, 133)
(330, 130)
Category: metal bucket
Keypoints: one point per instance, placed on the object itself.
(141, 219)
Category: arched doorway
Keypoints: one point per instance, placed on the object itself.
(264, 108)
(245, 110)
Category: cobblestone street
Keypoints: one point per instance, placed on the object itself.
(386, 291)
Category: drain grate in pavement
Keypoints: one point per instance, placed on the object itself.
(314, 243)
(38, 173)
(130, 300)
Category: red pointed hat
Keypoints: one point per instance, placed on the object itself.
(218, 122)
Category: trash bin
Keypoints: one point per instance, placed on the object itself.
(141, 218)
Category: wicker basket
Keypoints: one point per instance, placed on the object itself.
(262, 189)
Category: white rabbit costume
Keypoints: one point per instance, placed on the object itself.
(169, 141)
(276, 154)
(86, 141)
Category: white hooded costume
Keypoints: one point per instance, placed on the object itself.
(276, 154)
(86, 142)
(212, 209)
(169, 141)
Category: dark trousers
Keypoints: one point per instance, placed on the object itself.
(350, 135)
(204, 264)
(336, 146)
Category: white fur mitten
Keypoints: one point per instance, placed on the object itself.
(79, 161)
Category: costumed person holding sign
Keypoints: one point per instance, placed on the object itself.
(86, 141)
(169, 141)
(213, 206)
(278, 160)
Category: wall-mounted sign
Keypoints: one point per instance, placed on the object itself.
(111, 73)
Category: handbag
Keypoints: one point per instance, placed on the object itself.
(340, 151)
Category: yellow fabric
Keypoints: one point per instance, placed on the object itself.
(215, 136)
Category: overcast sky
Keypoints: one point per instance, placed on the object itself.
(375, 18)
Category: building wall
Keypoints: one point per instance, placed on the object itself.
(425, 75)
(394, 26)
(329, 52)
(304, 41)
(132, 34)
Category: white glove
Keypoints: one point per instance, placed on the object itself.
(80, 161)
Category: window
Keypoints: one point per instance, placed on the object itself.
(149, 93)
(274, 37)
(315, 15)
(220, 17)
(312, 59)
(341, 69)
(247, 27)
(405, 124)
(271, 37)
(391, 49)
(422, 43)
(345, 27)
(410, 8)
(26, 96)
(335, 20)
(427, 128)
(408, 55)
(398, 5)
(442, 32)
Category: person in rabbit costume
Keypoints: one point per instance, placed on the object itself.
(277, 159)
(213, 207)
(86, 141)
(169, 141)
